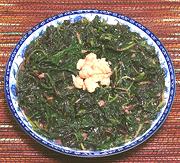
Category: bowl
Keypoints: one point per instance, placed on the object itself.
(17, 57)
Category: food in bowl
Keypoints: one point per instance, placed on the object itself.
(90, 105)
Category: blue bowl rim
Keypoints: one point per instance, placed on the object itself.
(109, 152)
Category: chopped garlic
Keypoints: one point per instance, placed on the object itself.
(78, 82)
(92, 71)
(105, 81)
(80, 64)
(86, 72)
(91, 57)
(90, 85)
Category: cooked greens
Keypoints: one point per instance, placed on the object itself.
(108, 117)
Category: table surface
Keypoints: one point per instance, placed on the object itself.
(162, 17)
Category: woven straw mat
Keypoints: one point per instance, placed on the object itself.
(162, 17)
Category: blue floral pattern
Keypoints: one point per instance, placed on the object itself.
(17, 57)
(14, 90)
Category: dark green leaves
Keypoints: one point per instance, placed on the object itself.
(59, 111)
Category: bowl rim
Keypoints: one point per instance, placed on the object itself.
(107, 152)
